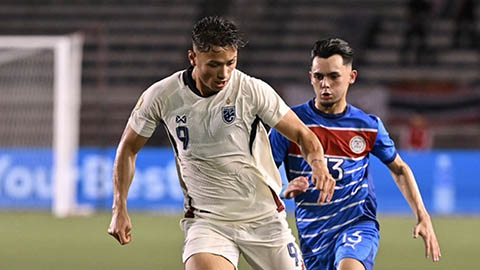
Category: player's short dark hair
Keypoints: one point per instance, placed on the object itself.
(331, 46)
(216, 31)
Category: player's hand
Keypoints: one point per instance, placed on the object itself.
(323, 182)
(120, 227)
(296, 187)
(424, 228)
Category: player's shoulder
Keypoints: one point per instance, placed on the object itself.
(167, 85)
(302, 107)
(306, 113)
(368, 120)
(242, 76)
(247, 82)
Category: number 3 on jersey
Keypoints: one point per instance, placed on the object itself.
(336, 170)
(182, 135)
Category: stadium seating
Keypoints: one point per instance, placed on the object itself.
(131, 44)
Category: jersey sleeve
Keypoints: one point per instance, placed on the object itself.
(268, 104)
(279, 145)
(147, 113)
(384, 148)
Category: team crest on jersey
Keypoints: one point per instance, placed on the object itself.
(358, 144)
(228, 114)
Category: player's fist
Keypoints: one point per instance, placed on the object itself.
(296, 186)
(323, 182)
(120, 227)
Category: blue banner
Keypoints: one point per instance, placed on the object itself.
(25, 178)
(447, 180)
(154, 187)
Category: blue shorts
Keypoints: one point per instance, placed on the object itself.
(359, 242)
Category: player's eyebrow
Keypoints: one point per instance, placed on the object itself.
(316, 73)
(220, 63)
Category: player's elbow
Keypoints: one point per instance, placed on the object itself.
(401, 169)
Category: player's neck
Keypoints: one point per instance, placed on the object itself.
(203, 89)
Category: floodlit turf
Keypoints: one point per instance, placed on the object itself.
(39, 241)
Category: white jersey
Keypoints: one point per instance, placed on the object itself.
(222, 150)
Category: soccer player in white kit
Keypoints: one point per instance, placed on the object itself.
(213, 114)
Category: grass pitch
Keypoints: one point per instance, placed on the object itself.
(39, 241)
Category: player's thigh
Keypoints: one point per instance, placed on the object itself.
(207, 242)
(350, 264)
(208, 261)
(286, 256)
(270, 244)
(358, 242)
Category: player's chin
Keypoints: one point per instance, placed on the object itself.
(218, 87)
(327, 103)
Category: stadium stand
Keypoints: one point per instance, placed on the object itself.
(131, 44)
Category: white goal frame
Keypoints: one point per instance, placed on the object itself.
(66, 112)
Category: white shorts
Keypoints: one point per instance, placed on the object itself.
(266, 244)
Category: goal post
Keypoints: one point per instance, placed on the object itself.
(67, 61)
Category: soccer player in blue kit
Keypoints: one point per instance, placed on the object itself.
(344, 233)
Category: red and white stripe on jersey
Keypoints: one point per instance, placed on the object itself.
(336, 141)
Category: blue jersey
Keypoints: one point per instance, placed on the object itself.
(348, 139)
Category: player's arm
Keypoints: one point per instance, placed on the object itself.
(405, 181)
(123, 172)
(292, 128)
(280, 146)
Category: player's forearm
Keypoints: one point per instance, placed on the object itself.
(293, 129)
(123, 172)
(405, 181)
(312, 149)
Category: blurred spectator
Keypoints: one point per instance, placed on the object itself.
(465, 33)
(414, 40)
(416, 135)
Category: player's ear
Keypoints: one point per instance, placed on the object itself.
(191, 57)
(353, 76)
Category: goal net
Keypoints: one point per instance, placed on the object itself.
(40, 80)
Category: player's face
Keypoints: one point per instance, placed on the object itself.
(212, 69)
(330, 79)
